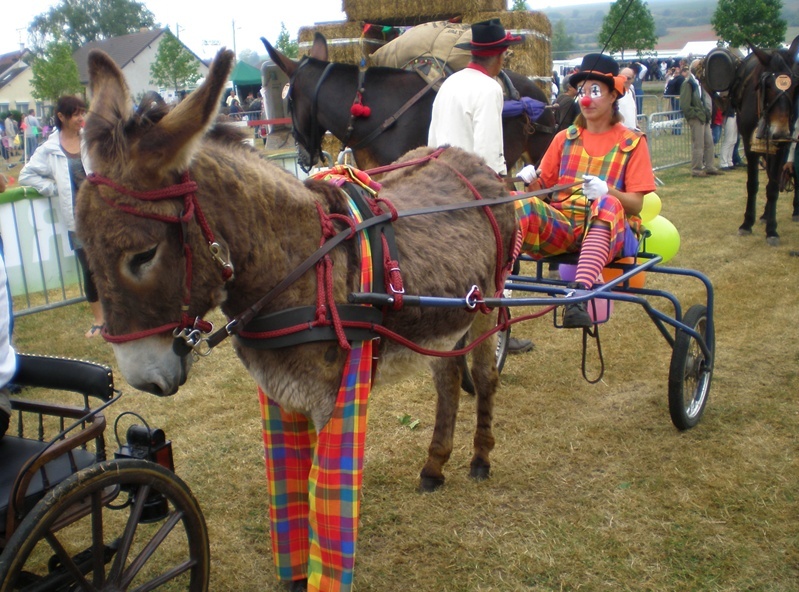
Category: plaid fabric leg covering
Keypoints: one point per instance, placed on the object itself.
(289, 440)
(336, 476)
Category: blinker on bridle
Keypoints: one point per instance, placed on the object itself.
(188, 329)
(312, 145)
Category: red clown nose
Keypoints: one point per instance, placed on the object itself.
(585, 101)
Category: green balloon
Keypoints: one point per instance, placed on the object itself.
(664, 239)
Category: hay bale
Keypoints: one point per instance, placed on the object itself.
(345, 43)
(348, 41)
(532, 58)
(414, 12)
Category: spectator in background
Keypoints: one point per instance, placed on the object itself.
(672, 89)
(627, 110)
(729, 141)
(57, 169)
(10, 134)
(715, 127)
(235, 110)
(230, 97)
(32, 131)
(696, 107)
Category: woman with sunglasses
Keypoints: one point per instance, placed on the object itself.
(612, 162)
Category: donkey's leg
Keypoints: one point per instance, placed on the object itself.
(795, 215)
(447, 379)
(752, 164)
(486, 379)
(774, 168)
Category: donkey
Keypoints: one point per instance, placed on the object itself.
(156, 171)
(764, 95)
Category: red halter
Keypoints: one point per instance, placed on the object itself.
(188, 327)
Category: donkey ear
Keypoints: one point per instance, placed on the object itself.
(794, 49)
(110, 102)
(170, 145)
(319, 47)
(284, 63)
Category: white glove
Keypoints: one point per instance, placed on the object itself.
(594, 187)
(528, 174)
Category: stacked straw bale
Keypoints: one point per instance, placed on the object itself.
(414, 12)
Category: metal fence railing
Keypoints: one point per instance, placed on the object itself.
(42, 269)
(669, 139)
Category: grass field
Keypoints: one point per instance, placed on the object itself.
(592, 488)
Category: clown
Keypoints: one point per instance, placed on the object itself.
(612, 161)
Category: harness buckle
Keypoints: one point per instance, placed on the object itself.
(195, 341)
(216, 253)
(473, 297)
(391, 272)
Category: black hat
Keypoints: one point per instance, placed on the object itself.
(489, 35)
(597, 66)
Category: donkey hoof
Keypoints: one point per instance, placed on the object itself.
(744, 231)
(773, 241)
(480, 472)
(428, 484)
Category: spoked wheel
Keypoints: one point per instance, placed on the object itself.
(467, 383)
(117, 525)
(691, 371)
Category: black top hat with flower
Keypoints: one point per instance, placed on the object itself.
(490, 38)
(597, 66)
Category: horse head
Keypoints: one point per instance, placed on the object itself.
(769, 82)
(305, 78)
(135, 216)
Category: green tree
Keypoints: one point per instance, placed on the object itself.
(285, 45)
(628, 25)
(562, 42)
(519, 5)
(174, 66)
(55, 73)
(77, 22)
(248, 56)
(754, 21)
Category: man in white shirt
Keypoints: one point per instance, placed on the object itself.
(627, 107)
(467, 111)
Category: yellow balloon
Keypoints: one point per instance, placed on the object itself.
(651, 208)
(664, 239)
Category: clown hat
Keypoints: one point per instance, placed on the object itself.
(490, 36)
(597, 66)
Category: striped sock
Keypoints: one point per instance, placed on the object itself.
(593, 255)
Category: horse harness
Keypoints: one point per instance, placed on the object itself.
(362, 322)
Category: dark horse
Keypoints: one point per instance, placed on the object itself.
(764, 95)
(322, 94)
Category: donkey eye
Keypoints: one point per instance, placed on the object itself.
(140, 260)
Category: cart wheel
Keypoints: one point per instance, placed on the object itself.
(150, 533)
(691, 371)
(502, 353)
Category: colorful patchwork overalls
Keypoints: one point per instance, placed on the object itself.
(559, 226)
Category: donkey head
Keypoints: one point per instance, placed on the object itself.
(777, 83)
(128, 216)
(304, 81)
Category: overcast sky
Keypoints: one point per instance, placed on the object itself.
(205, 26)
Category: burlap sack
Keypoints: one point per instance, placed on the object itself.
(436, 39)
